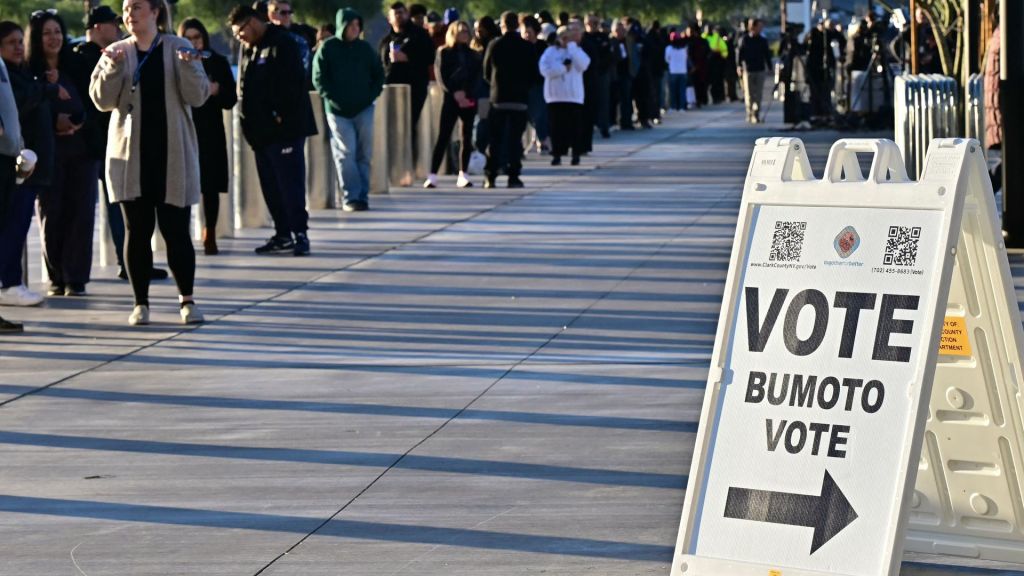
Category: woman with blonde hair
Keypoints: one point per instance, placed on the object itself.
(459, 71)
(151, 81)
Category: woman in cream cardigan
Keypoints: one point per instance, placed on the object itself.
(150, 81)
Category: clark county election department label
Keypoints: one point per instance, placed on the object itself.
(828, 330)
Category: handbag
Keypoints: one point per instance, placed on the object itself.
(477, 163)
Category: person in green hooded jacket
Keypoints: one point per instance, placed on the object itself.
(349, 76)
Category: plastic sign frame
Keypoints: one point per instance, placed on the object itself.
(780, 176)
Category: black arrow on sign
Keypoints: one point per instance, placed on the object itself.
(828, 514)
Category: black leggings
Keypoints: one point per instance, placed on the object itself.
(140, 220)
(211, 209)
(450, 112)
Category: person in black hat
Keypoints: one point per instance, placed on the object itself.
(103, 28)
(276, 118)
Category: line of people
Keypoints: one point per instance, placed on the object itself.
(141, 117)
(566, 78)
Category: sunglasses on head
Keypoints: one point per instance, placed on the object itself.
(41, 13)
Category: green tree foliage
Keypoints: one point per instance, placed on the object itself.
(213, 13)
(668, 11)
(70, 10)
(946, 20)
(314, 12)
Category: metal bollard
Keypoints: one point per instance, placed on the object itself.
(107, 250)
(250, 209)
(322, 189)
(379, 163)
(226, 218)
(428, 128)
(399, 141)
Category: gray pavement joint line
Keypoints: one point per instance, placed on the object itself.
(316, 279)
(271, 298)
(501, 377)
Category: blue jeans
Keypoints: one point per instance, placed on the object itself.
(352, 148)
(677, 91)
(538, 112)
(13, 233)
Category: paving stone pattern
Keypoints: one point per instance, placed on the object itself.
(484, 382)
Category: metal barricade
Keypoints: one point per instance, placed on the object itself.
(925, 109)
(974, 108)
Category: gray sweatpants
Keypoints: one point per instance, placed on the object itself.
(753, 92)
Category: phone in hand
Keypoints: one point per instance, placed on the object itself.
(197, 54)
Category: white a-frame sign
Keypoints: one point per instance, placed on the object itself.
(847, 297)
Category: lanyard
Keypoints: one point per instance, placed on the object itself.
(137, 75)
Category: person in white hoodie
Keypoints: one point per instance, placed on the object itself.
(678, 67)
(562, 66)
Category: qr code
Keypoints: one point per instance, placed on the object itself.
(901, 246)
(787, 241)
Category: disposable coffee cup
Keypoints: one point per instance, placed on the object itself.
(25, 164)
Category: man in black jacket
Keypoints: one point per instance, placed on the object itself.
(509, 68)
(276, 118)
(407, 53)
(753, 63)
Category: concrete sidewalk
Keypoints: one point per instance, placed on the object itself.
(456, 382)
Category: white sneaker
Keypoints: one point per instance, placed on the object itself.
(139, 316)
(20, 296)
(431, 181)
(190, 314)
(464, 181)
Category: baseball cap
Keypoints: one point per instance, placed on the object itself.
(101, 15)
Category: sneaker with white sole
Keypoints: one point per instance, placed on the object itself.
(139, 316)
(190, 314)
(464, 181)
(20, 296)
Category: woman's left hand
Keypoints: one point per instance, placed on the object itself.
(189, 56)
